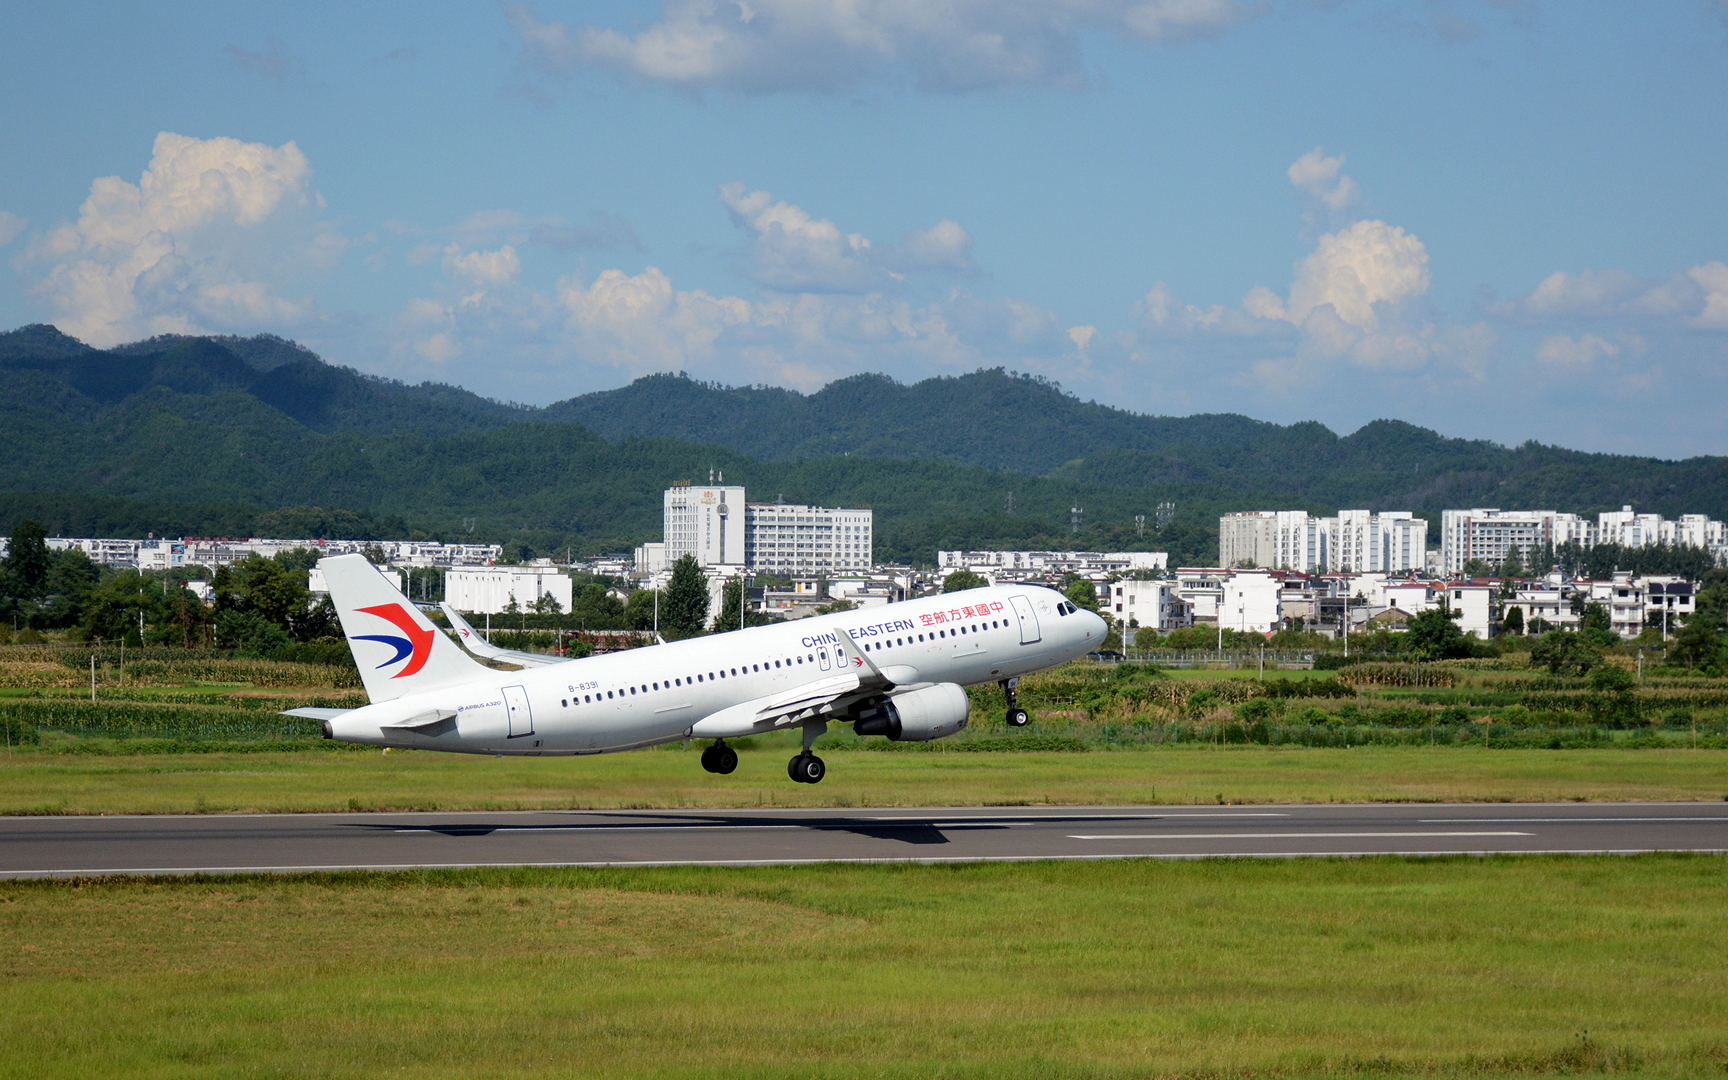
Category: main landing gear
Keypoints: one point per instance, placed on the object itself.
(807, 768)
(720, 758)
(1017, 717)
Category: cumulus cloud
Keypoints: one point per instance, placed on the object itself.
(1350, 274)
(1695, 298)
(1323, 177)
(205, 240)
(764, 46)
(798, 252)
(1559, 350)
(482, 268)
(10, 226)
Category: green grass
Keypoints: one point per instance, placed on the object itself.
(38, 781)
(1299, 968)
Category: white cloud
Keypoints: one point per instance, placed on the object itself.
(483, 268)
(1323, 178)
(1561, 351)
(943, 246)
(765, 46)
(204, 240)
(10, 226)
(1350, 271)
(798, 252)
(1695, 298)
(1712, 281)
(1082, 336)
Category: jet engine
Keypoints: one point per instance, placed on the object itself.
(917, 716)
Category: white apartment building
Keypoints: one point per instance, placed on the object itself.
(490, 590)
(156, 554)
(795, 540)
(718, 526)
(1248, 538)
(1249, 602)
(1202, 589)
(707, 522)
(1300, 541)
(1488, 534)
(1359, 540)
(1009, 564)
(1157, 604)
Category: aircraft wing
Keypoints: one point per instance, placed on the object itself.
(812, 700)
(480, 647)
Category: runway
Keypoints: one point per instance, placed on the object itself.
(36, 847)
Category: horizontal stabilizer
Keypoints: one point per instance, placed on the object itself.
(430, 722)
(317, 714)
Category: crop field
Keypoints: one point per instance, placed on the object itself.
(1519, 966)
(186, 732)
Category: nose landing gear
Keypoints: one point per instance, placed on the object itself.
(720, 758)
(1017, 717)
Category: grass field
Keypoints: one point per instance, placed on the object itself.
(42, 782)
(1472, 967)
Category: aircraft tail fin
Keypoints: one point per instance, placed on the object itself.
(398, 650)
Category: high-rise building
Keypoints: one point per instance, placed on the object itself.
(718, 527)
(796, 540)
(1488, 534)
(1389, 541)
(1247, 538)
(707, 522)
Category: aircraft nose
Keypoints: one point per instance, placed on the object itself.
(1095, 625)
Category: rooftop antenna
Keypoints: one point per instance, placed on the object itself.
(1074, 515)
(1139, 524)
(1010, 504)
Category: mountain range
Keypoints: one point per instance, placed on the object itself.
(248, 436)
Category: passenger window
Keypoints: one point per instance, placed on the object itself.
(811, 658)
(586, 697)
(563, 704)
(632, 691)
(800, 659)
(698, 677)
(608, 695)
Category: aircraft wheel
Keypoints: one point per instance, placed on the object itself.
(708, 759)
(1018, 718)
(725, 759)
(807, 769)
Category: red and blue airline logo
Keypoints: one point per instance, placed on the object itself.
(416, 648)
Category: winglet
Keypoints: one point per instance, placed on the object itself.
(869, 675)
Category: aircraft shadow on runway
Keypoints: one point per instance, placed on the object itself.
(908, 831)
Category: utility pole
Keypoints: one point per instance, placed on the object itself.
(92, 676)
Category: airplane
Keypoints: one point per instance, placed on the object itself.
(485, 650)
(898, 670)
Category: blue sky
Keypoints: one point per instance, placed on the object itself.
(1495, 218)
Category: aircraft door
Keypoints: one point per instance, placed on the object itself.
(822, 657)
(1029, 634)
(521, 716)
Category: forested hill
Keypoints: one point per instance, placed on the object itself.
(227, 436)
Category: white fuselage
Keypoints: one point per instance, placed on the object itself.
(659, 694)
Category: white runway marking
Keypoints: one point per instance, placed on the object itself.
(1562, 820)
(1277, 835)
